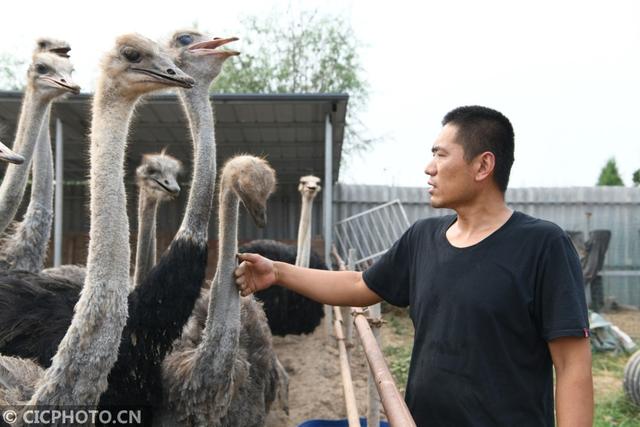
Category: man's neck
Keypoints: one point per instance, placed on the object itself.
(476, 221)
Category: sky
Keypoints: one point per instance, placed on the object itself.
(566, 73)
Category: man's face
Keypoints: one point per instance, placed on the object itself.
(450, 176)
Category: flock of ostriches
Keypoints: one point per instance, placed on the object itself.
(100, 336)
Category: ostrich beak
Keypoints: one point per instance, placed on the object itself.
(7, 155)
(63, 82)
(208, 47)
(61, 51)
(164, 71)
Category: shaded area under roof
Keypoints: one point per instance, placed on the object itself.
(287, 129)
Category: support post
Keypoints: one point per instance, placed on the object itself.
(59, 197)
(327, 205)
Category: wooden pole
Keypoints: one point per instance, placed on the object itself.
(373, 409)
(397, 412)
(345, 370)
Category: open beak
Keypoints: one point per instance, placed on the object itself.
(65, 84)
(7, 155)
(61, 51)
(209, 47)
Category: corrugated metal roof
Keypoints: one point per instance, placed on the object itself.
(288, 129)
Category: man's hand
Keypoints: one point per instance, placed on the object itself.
(254, 273)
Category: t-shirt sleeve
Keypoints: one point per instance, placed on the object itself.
(389, 277)
(561, 307)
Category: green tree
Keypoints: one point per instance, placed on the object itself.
(307, 53)
(609, 174)
(636, 178)
(11, 77)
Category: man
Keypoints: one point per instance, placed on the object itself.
(496, 297)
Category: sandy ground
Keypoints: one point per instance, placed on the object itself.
(315, 384)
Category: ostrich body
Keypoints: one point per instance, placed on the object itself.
(78, 373)
(229, 362)
(25, 248)
(47, 78)
(289, 312)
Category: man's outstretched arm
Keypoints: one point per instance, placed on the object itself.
(342, 288)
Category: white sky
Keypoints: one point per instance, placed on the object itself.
(567, 73)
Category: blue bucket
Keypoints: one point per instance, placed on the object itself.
(337, 423)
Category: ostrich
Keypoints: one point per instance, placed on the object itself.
(227, 374)
(25, 247)
(157, 182)
(78, 373)
(161, 304)
(36, 317)
(287, 311)
(47, 78)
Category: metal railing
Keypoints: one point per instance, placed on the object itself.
(371, 233)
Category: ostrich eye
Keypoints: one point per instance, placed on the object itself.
(131, 54)
(185, 39)
(152, 171)
(41, 69)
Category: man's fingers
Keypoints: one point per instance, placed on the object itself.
(248, 257)
(239, 271)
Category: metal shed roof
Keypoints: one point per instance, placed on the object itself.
(288, 129)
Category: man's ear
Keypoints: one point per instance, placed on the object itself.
(485, 164)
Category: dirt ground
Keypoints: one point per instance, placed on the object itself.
(315, 384)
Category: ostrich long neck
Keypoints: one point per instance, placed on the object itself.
(146, 247)
(224, 307)
(26, 248)
(200, 114)
(12, 189)
(88, 351)
(304, 232)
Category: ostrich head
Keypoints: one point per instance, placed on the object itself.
(253, 180)
(198, 55)
(8, 155)
(50, 75)
(58, 47)
(309, 186)
(137, 65)
(157, 176)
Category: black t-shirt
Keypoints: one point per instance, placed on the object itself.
(482, 317)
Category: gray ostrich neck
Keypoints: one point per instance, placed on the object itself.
(200, 114)
(15, 180)
(88, 351)
(42, 170)
(223, 320)
(304, 233)
(146, 247)
(26, 248)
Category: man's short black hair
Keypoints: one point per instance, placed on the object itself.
(482, 129)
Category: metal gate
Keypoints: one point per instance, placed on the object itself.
(371, 233)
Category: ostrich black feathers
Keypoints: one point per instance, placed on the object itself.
(36, 311)
(287, 312)
(158, 310)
